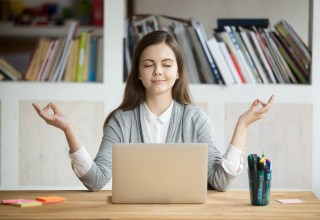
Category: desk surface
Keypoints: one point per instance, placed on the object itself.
(219, 205)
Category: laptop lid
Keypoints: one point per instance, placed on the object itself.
(159, 173)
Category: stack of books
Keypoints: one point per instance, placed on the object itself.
(70, 58)
(240, 51)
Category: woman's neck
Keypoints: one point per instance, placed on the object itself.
(159, 104)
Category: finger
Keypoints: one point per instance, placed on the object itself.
(45, 109)
(36, 107)
(271, 100)
(55, 108)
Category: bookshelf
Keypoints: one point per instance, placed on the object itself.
(223, 107)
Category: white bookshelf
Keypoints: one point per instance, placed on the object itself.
(111, 90)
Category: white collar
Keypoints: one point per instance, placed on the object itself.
(163, 118)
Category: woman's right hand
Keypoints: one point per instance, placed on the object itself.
(57, 119)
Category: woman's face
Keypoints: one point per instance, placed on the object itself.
(158, 69)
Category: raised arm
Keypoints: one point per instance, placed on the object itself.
(57, 119)
(257, 111)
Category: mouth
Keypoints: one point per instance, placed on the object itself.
(158, 81)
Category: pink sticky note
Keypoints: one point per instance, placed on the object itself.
(12, 201)
(290, 201)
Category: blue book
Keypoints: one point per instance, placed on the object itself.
(92, 65)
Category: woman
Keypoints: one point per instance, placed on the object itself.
(157, 107)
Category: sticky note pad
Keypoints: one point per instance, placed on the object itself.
(26, 204)
(12, 201)
(21, 202)
(290, 201)
(51, 199)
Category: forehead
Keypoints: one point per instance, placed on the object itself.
(158, 52)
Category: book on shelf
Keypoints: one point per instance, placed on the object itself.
(294, 42)
(9, 72)
(291, 60)
(60, 68)
(239, 51)
(37, 59)
(199, 30)
(249, 44)
(217, 55)
(67, 58)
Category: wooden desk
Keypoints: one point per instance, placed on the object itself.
(219, 205)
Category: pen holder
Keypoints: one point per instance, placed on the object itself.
(259, 184)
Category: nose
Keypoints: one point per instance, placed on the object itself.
(157, 71)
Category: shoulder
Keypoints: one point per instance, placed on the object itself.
(194, 112)
(122, 117)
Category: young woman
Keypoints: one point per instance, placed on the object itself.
(157, 107)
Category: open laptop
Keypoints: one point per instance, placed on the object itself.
(159, 173)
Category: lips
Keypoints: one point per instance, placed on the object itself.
(158, 81)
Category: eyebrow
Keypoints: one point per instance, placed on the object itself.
(167, 59)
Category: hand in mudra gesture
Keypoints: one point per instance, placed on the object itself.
(57, 119)
(255, 112)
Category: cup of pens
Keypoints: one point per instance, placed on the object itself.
(259, 174)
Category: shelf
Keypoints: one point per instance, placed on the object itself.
(9, 30)
(25, 90)
(247, 93)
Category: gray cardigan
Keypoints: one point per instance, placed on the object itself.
(188, 124)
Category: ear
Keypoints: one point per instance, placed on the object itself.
(177, 75)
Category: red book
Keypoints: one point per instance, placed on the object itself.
(237, 68)
(97, 12)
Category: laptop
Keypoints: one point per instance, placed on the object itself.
(159, 173)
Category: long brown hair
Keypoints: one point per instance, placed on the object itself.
(134, 93)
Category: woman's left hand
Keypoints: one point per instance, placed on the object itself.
(255, 112)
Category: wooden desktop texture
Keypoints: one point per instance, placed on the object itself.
(219, 205)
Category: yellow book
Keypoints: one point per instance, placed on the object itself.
(75, 60)
(9, 69)
(87, 57)
(37, 59)
(81, 58)
(67, 76)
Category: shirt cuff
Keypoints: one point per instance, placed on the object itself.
(81, 161)
(233, 160)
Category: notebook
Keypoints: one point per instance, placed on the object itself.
(159, 173)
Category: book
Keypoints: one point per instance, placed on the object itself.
(262, 57)
(97, 12)
(229, 38)
(297, 46)
(203, 64)
(232, 67)
(216, 53)
(247, 57)
(81, 56)
(250, 46)
(203, 38)
(47, 68)
(37, 59)
(69, 67)
(93, 59)
(99, 77)
(279, 58)
(56, 59)
(269, 57)
(289, 59)
(183, 40)
(87, 51)
(60, 69)
(9, 71)
(45, 61)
